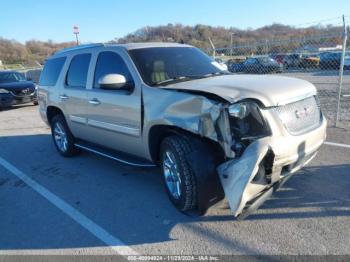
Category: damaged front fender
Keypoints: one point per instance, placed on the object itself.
(194, 113)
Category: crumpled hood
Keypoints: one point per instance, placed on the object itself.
(271, 90)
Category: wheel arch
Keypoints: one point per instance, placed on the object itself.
(52, 111)
(158, 133)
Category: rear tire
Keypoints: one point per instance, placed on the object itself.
(179, 178)
(62, 137)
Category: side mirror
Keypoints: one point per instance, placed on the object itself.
(29, 78)
(112, 81)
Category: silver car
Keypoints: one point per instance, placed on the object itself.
(213, 134)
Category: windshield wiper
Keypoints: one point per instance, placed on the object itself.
(176, 79)
(187, 78)
(217, 74)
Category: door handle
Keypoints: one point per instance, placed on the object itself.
(94, 101)
(64, 97)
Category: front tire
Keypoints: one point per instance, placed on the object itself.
(62, 137)
(179, 178)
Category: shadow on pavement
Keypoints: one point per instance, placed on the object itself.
(14, 107)
(317, 191)
(131, 203)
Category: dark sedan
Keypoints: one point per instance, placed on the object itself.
(15, 89)
(261, 65)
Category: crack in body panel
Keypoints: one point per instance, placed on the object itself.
(193, 113)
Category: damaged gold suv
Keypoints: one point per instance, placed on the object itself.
(213, 134)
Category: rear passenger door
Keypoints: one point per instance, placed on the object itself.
(73, 94)
(115, 115)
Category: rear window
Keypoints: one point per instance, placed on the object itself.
(78, 71)
(51, 71)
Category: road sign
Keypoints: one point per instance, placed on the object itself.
(75, 30)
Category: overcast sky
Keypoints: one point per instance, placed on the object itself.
(104, 20)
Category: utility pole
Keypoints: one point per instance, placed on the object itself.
(212, 46)
(76, 32)
(231, 43)
(341, 71)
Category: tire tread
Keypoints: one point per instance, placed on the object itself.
(183, 147)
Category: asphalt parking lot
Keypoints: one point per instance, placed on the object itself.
(92, 205)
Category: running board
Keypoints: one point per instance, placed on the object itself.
(120, 157)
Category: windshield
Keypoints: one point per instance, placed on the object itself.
(165, 65)
(10, 77)
(267, 60)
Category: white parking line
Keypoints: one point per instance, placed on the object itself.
(113, 242)
(337, 144)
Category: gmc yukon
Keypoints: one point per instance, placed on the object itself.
(213, 134)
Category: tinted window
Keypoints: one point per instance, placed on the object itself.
(111, 63)
(78, 70)
(10, 77)
(266, 60)
(51, 71)
(335, 56)
(250, 61)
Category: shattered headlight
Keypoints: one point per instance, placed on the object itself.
(247, 124)
(4, 91)
(239, 110)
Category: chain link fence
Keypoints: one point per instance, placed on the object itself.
(323, 60)
(32, 74)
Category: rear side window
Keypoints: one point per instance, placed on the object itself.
(250, 61)
(78, 71)
(110, 63)
(51, 71)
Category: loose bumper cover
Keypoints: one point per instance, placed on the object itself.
(264, 166)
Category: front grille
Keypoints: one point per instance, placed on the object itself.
(301, 116)
(22, 93)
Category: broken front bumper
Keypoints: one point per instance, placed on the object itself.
(265, 165)
(9, 99)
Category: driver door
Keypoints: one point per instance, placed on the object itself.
(114, 116)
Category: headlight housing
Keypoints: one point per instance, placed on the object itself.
(247, 124)
(239, 110)
(4, 91)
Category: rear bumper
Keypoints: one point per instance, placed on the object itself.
(265, 165)
(9, 99)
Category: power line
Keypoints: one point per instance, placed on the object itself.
(319, 21)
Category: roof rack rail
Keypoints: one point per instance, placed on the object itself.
(79, 47)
